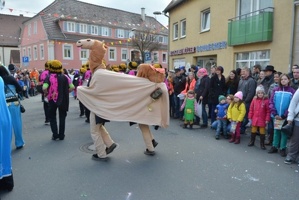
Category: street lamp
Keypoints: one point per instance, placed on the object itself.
(168, 47)
(128, 52)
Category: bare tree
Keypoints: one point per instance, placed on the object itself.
(146, 40)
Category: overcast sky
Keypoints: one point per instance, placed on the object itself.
(30, 7)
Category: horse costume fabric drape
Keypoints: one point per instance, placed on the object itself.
(122, 97)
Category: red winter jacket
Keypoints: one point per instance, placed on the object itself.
(259, 112)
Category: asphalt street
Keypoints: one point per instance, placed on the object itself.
(188, 165)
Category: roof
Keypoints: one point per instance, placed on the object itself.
(11, 26)
(73, 10)
(172, 5)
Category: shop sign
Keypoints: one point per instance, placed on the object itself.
(186, 50)
(212, 46)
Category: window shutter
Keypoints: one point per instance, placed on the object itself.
(77, 27)
(88, 29)
(109, 32)
(116, 33)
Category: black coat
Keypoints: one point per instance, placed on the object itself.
(203, 89)
(217, 88)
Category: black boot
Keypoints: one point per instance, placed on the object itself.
(273, 150)
(262, 141)
(270, 138)
(252, 139)
(185, 125)
(191, 126)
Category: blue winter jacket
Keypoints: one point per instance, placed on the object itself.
(280, 101)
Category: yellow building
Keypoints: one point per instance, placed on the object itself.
(233, 33)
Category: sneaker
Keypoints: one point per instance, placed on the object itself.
(97, 158)
(87, 121)
(288, 161)
(47, 122)
(273, 150)
(81, 115)
(111, 148)
(149, 153)
(217, 137)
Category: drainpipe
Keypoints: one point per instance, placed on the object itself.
(296, 3)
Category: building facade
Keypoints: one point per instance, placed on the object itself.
(54, 31)
(234, 33)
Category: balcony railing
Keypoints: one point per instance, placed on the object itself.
(252, 27)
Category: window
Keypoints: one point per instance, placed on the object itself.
(124, 54)
(94, 30)
(41, 52)
(84, 54)
(105, 31)
(35, 52)
(29, 29)
(175, 31)
(161, 39)
(112, 54)
(70, 27)
(155, 57)
(24, 51)
(205, 20)
(67, 51)
(29, 53)
(120, 33)
(164, 57)
(183, 28)
(249, 59)
(248, 6)
(35, 27)
(83, 28)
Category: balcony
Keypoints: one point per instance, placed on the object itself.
(251, 28)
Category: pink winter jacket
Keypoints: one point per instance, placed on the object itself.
(259, 112)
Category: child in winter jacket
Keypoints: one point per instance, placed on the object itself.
(235, 114)
(189, 106)
(259, 116)
(221, 110)
(279, 103)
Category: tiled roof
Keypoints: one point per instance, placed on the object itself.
(172, 5)
(74, 10)
(10, 29)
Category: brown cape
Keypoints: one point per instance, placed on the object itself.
(122, 97)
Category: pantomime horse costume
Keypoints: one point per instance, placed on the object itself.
(122, 97)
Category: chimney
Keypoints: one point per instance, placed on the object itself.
(143, 14)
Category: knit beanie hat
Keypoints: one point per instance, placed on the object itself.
(12, 68)
(260, 88)
(239, 95)
(87, 65)
(221, 97)
(55, 67)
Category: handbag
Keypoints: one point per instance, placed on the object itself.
(289, 128)
(15, 98)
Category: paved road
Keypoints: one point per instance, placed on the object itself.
(188, 165)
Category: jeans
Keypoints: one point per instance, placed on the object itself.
(177, 105)
(221, 125)
(245, 120)
(204, 114)
(215, 125)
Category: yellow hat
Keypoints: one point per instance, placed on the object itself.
(133, 65)
(157, 65)
(55, 66)
(47, 64)
(122, 67)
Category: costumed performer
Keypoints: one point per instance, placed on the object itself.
(6, 177)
